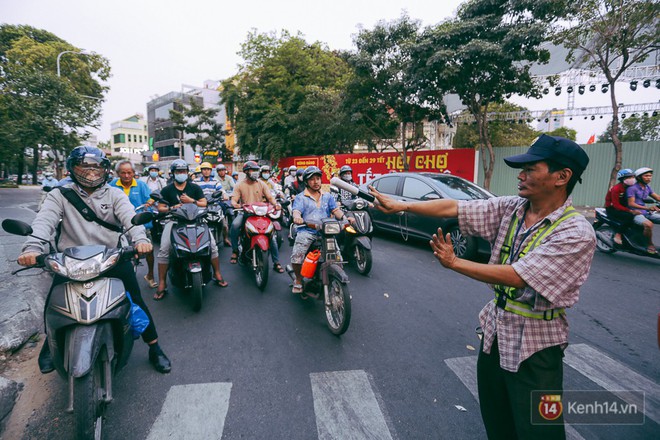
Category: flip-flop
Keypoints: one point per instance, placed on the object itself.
(151, 282)
(220, 282)
(160, 295)
(297, 288)
(651, 250)
(233, 259)
(277, 267)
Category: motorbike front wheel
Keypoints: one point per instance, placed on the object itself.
(197, 291)
(89, 402)
(338, 311)
(604, 239)
(260, 267)
(363, 260)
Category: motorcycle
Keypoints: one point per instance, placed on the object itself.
(190, 257)
(633, 241)
(356, 242)
(87, 322)
(254, 242)
(215, 216)
(329, 282)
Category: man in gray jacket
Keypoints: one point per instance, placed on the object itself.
(89, 171)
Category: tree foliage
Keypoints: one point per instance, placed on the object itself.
(611, 36)
(285, 98)
(503, 133)
(484, 54)
(205, 133)
(635, 128)
(38, 107)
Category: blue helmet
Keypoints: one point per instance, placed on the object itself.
(92, 160)
(178, 164)
(625, 173)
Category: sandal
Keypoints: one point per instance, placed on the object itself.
(277, 267)
(160, 295)
(233, 259)
(297, 288)
(651, 250)
(151, 282)
(220, 282)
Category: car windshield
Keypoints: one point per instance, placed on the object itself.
(459, 189)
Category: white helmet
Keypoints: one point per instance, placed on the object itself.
(642, 170)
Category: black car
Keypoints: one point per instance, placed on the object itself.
(428, 186)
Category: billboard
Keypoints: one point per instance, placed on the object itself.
(368, 166)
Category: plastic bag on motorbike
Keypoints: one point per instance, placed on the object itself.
(138, 319)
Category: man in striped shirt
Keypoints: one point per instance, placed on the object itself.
(541, 254)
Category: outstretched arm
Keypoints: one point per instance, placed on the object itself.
(432, 208)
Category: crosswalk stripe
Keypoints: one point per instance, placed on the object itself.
(193, 412)
(466, 370)
(614, 376)
(346, 406)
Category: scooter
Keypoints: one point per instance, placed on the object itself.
(356, 242)
(254, 242)
(633, 241)
(87, 322)
(329, 282)
(190, 257)
(215, 216)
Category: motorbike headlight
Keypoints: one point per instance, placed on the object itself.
(331, 228)
(56, 267)
(261, 210)
(111, 261)
(83, 270)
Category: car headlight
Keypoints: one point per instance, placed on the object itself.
(331, 228)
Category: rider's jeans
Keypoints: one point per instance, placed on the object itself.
(236, 226)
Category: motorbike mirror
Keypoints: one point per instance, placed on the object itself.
(16, 227)
(143, 218)
(216, 194)
(334, 189)
(156, 195)
(47, 188)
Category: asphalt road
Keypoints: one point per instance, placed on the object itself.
(263, 365)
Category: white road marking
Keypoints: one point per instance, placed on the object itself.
(466, 370)
(193, 412)
(346, 407)
(614, 376)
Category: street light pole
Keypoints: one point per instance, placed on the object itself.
(81, 52)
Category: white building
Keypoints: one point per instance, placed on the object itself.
(129, 138)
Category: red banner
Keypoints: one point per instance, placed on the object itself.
(368, 166)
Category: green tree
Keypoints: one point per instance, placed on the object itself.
(382, 95)
(206, 133)
(503, 133)
(611, 36)
(271, 100)
(564, 132)
(635, 128)
(42, 109)
(484, 54)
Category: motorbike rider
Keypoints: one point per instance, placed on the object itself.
(153, 179)
(298, 184)
(89, 168)
(312, 205)
(265, 177)
(234, 176)
(49, 180)
(206, 181)
(346, 174)
(616, 202)
(636, 195)
(285, 174)
(139, 194)
(248, 191)
(175, 194)
(227, 182)
(291, 176)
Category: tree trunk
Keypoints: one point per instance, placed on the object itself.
(21, 167)
(485, 145)
(403, 146)
(35, 163)
(614, 132)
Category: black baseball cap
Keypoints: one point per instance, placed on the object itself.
(557, 149)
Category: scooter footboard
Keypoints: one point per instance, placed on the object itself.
(83, 344)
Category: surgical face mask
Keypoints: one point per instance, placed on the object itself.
(265, 176)
(181, 177)
(153, 174)
(347, 177)
(629, 181)
(254, 175)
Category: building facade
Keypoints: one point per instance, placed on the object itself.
(129, 138)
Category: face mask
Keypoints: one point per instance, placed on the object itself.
(347, 177)
(180, 177)
(153, 174)
(254, 175)
(629, 181)
(265, 176)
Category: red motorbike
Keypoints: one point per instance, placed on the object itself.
(255, 241)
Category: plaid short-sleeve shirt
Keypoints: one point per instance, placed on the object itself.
(553, 272)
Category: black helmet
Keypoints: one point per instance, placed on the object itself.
(300, 172)
(345, 169)
(311, 171)
(250, 165)
(86, 155)
(178, 164)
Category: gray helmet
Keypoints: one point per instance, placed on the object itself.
(221, 167)
(178, 164)
(311, 171)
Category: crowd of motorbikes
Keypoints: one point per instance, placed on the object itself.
(88, 315)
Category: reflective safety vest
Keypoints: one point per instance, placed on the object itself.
(504, 295)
